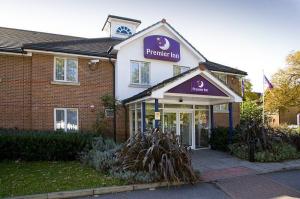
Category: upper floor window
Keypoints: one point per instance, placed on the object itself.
(124, 30)
(65, 69)
(222, 77)
(140, 72)
(179, 69)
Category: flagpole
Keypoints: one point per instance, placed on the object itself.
(263, 99)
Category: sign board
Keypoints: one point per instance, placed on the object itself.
(157, 115)
(197, 85)
(161, 48)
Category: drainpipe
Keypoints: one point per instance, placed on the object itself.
(114, 97)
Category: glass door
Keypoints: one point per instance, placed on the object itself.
(201, 128)
(180, 122)
(170, 122)
(186, 128)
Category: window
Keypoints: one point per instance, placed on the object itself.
(124, 30)
(179, 69)
(222, 77)
(66, 119)
(140, 72)
(221, 108)
(65, 69)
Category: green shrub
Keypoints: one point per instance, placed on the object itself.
(219, 138)
(278, 152)
(157, 153)
(239, 150)
(37, 145)
(135, 177)
(101, 156)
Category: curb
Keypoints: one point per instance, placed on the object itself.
(98, 191)
(279, 170)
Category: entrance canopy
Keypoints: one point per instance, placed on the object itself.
(196, 86)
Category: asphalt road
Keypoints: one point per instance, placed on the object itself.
(279, 184)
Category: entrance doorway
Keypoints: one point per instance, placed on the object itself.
(180, 123)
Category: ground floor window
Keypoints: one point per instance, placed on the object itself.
(66, 119)
(221, 108)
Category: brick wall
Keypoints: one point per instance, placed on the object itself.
(28, 97)
(222, 119)
(47, 96)
(15, 105)
(289, 116)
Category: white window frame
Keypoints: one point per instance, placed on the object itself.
(222, 74)
(65, 69)
(124, 33)
(65, 117)
(188, 68)
(140, 74)
(219, 109)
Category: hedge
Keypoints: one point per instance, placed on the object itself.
(37, 145)
(219, 138)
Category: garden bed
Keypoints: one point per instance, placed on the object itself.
(25, 178)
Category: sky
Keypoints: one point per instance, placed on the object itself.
(251, 35)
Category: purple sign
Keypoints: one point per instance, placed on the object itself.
(161, 48)
(197, 85)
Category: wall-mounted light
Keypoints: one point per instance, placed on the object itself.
(92, 107)
(93, 64)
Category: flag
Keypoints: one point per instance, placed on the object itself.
(266, 81)
(243, 87)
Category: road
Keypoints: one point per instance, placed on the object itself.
(285, 184)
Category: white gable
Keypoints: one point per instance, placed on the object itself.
(133, 49)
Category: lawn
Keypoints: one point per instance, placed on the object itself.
(24, 178)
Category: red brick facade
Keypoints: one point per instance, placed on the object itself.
(222, 119)
(28, 95)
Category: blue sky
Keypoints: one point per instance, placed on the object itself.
(252, 35)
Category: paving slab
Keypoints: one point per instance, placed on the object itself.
(217, 174)
(206, 160)
(256, 186)
(287, 178)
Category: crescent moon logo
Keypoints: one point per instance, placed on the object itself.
(166, 46)
(200, 84)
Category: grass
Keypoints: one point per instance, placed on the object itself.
(24, 178)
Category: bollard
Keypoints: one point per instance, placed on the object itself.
(251, 150)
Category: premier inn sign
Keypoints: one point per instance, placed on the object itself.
(161, 48)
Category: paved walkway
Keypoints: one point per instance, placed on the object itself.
(284, 184)
(215, 165)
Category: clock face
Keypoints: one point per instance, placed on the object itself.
(124, 30)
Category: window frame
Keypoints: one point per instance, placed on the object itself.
(188, 68)
(219, 110)
(124, 27)
(140, 74)
(65, 69)
(218, 76)
(66, 118)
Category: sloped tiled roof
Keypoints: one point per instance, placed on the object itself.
(12, 40)
(91, 47)
(222, 68)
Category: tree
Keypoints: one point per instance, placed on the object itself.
(249, 95)
(286, 91)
